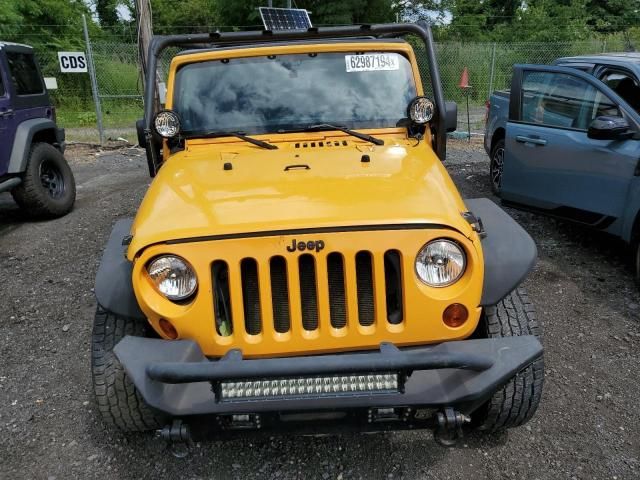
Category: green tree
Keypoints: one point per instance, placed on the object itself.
(107, 12)
(52, 23)
(550, 21)
(517, 20)
(323, 12)
(241, 14)
(473, 20)
(170, 16)
(612, 16)
(9, 14)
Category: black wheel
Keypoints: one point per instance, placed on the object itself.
(119, 402)
(48, 188)
(496, 166)
(515, 403)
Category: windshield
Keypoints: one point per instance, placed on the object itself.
(289, 92)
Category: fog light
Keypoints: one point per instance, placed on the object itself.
(420, 110)
(455, 315)
(167, 123)
(168, 329)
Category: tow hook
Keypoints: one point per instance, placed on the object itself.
(178, 438)
(449, 426)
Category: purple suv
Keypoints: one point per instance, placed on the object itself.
(32, 165)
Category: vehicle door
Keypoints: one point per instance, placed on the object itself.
(551, 162)
(7, 124)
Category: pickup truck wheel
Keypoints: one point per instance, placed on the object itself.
(119, 402)
(516, 402)
(48, 188)
(496, 166)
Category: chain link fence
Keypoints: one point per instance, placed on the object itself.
(489, 66)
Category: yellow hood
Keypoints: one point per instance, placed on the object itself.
(194, 195)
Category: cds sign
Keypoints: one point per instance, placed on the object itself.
(72, 62)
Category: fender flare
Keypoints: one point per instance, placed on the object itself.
(114, 287)
(509, 251)
(23, 139)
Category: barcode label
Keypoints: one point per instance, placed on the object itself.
(372, 62)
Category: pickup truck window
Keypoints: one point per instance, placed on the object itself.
(280, 92)
(624, 85)
(562, 100)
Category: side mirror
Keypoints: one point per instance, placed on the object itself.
(451, 116)
(609, 128)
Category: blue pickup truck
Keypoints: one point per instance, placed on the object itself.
(565, 141)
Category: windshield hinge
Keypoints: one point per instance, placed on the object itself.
(475, 222)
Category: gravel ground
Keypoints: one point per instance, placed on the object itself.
(587, 426)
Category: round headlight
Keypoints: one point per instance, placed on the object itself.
(167, 123)
(440, 263)
(173, 277)
(421, 110)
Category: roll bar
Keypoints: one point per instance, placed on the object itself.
(207, 40)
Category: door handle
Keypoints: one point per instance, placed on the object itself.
(535, 141)
(6, 113)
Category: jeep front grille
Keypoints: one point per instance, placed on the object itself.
(337, 303)
(280, 294)
(308, 292)
(320, 285)
(251, 296)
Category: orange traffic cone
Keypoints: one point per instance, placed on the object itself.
(464, 79)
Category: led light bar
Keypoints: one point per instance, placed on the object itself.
(310, 386)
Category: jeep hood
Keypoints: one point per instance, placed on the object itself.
(207, 192)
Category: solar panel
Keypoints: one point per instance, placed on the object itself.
(285, 18)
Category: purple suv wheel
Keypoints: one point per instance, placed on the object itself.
(52, 179)
(48, 189)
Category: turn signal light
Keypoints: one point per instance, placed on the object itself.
(455, 315)
(168, 329)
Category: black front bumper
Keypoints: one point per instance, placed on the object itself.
(176, 378)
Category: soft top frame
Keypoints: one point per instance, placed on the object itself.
(208, 40)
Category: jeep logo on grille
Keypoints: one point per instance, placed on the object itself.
(302, 246)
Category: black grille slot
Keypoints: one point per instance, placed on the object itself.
(308, 292)
(222, 298)
(364, 279)
(393, 286)
(280, 295)
(337, 300)
(251, 296)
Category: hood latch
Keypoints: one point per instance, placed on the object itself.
(475, 222)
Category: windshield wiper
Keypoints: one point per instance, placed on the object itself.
(240, 135)
(340, 128)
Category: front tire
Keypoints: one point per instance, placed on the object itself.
(119, 402)
(48, 189)
(496, 167)
(516, 402)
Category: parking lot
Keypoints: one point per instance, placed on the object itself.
(588, 305)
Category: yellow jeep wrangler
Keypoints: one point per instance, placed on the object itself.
(302, 260)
